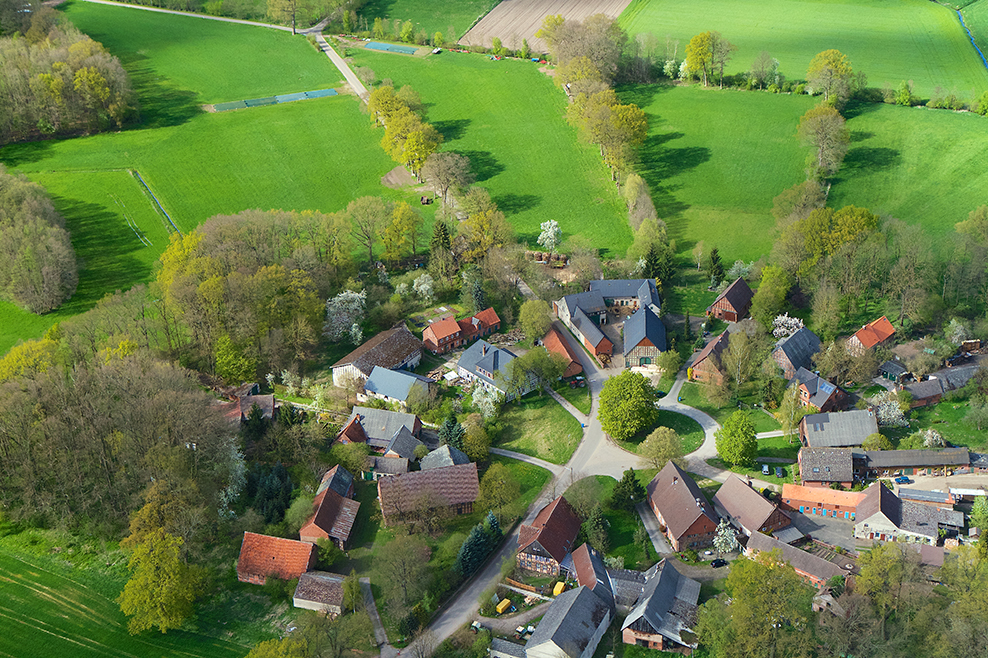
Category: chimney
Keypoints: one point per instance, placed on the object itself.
(484, 349)
(675, 479)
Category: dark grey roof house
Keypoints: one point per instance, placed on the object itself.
(443, 456)
(644, 338)
(826, 465)
(572, 626)
(666, 609)
(402, 444)
(815, 391)
(486, 365)
(837, 430)
(394, 385)
(796, 352)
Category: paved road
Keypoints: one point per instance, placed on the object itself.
(203, 16)
(354, 82)
(651, 523)
(555, 469)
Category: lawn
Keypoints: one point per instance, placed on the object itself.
(908, 40)
(779, 447)
(197, 164)
(976, 19)
(540, 427)
(578, 397)
(948, 419)
(47, 612)
(621, 531)
(429, 15)
(688, 430)
(692, 395)
(507, 117)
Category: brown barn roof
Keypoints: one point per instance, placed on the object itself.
(353, 431)
(875, 332)
(738, 295)
(387, 349)
(555, 342)
(452, 485)
(714, 347)
(263, 555)
(674, 493)
(334, 516)
(743, 503)
(798, 559)
(555, 528)
(264, 402)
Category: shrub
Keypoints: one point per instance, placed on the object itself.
(773, 88)
(800, 89)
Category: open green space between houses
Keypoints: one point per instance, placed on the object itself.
(538, 426)
(891, 42)
(689, 431)
(692, 395)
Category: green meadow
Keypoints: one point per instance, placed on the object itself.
(890, 40)
(429, 15)
(507, 117)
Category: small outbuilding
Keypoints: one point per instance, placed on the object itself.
(320, 591)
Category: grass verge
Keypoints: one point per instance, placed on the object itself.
(692, 394)
(688, 430)
(540, 427)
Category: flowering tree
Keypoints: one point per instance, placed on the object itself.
(424, 287)
(956, 332)
(932, 438)
(725, 541)
(551, 235)
(487, 401)
(784, 326)
(889, 412)
(343, 313)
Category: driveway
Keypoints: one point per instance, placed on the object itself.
(651, 523)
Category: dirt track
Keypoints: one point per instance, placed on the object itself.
(514, 20)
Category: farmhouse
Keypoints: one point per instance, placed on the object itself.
(811, 568)
(394, 385)
(627, 293)
(572, 626)
(320, 591)
(681, 508)
(706, 366)
(734, 303)
(403, 444)
(377, 466)
(544, 545)
(870, 335)
(262, 556)
(817, 393)
(486, 365)
(796, 351)
(883, 516)
(821, 501)
(335, 511)
(583, 313)
(665, 614)
(747, 509)
(394, 349)
(822, 467)
(556, 343)
(377, 427)
(447, 333)
(889, 463)
(407, 495)
(925, 393)
(837, 430)
(644, 338)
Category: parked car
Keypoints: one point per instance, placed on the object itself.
(780, 472)
(902, 479)
(718, 563)
(765, 470)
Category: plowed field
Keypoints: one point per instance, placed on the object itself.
(514, 20)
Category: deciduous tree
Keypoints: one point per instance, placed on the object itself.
(498, 488)
(831, 73)
(823, 128)
(627, 405)
(447, 171)
(736, 442)
(535, 318)
(663, 445)
(700, 55)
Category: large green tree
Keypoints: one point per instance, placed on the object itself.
(535, 318)
(831, 73)
(770, 298)
(823, 128)
(162, 587)
(662, 446)
(736, 442)
(627, 405)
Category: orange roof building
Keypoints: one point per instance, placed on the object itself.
(544, 545)
(262, 556)
(442, 335)
(872, 334)
(821, 501)
(556, 343)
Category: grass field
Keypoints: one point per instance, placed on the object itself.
(692, 394)
(621, 531)
(429, 15)
(44, 613)
(688, 430)
(508, 119)
(316, 154)
(976, 19)
(891, 42)
(540, 427)
(578, 397)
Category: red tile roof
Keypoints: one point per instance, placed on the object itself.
(334, 517)
(262, 556)
(453, 485)
(488, 317)
(353, 431)
(555, 342)
(555, 528)
(875, 332)
(440, 329)
(824, 497)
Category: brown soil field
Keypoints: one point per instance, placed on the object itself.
(514, 20)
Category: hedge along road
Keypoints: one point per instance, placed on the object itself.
(316, 30)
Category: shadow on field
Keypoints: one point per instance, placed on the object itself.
(856, 108)
(864, 158)
(512, 204)
(14, 155)
(641, 95)
(159, 103)
(860, 135)
(483, 164)
(660, 163)
(452, 129)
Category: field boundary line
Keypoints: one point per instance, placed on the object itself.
(222, 19)
(136, 174)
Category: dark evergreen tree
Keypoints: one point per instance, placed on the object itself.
(651, 262)
(440, 237)
(493, 527)
(595, 529)
(715, 268)
(665, 266)
(628, 491)
(254, 428)
(479, 298)
(474, 550)
(451, 432)
(289, 415)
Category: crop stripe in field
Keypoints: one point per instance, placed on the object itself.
(92, 645)
(136, 174)
(971, 37)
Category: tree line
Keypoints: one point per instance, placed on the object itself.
(58, 81)
(38, 269)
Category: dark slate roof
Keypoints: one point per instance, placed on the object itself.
(443, 456)
(917, 458)
(925, 496)
(571, 622)
(320, 587)
(380, 425)
(501, 647)
(627, 585)
(590, 301)
(587, 327)
(826, 464)
(839, 430)
(388, 349)
(743, 503)
(819, 388)
(738, 295)
(338, 479)
(879, 498)
(612, 288)
(789, 535)
(800, 560)
(668, 603)
(800, 348)
(394, 384)
(403, 444)
(957, 377)
(892, 367)
(386, 465)
(648, 295)
(591, 573)
(494, 361)
(679, 499)
(923, 390)
(641, 325)
(927, 519)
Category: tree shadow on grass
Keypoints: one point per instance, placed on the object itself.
(452, 129)
(661, 163)
(14, 155)
(869, 159)
(861, 135)
(483, 164)
(512, 204)
(856, 108)
(641, 95)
